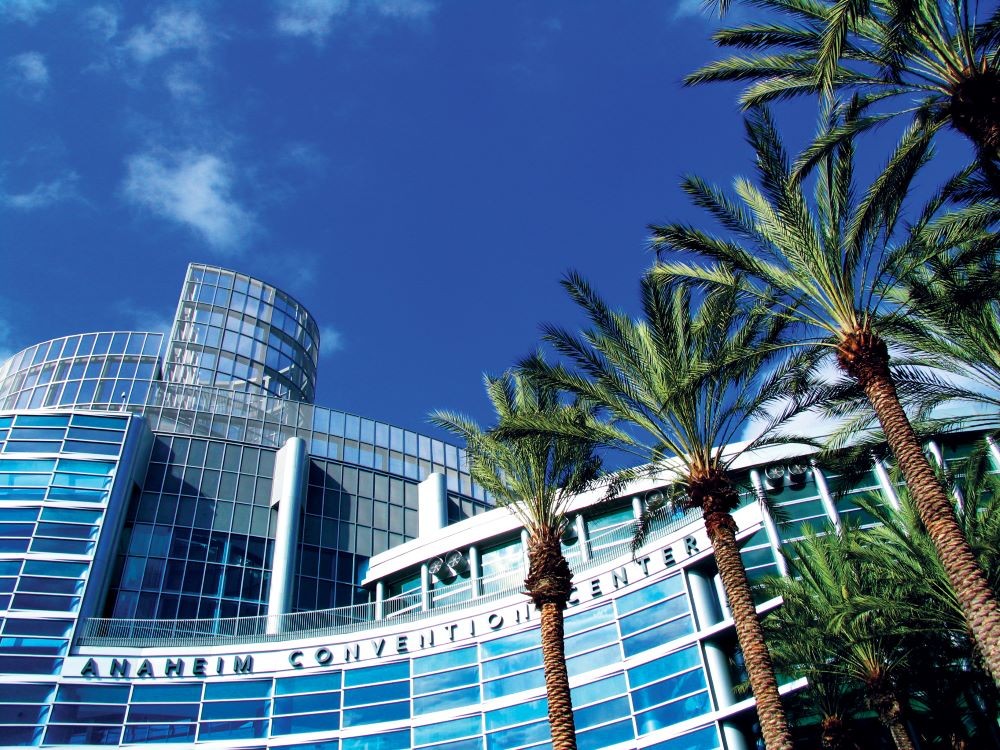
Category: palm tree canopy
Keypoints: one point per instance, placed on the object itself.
(535, 476)
(934, 58)
(681, 381)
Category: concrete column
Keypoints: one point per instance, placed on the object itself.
(734, 737)
(704, 599)
(380, 600)
(288, 492)
(824, 495)
(524, 550)
(581, 537)
(719, 676)
(432, 504)
(887, 487)
(935, 450)
(720, 592)
(475, 572)
(994, 451)
(637, 507)
(769, 525)
(425, 588)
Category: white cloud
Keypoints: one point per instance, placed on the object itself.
(44, 194)
(316, 18)
(330, 341)
(182, 82)
(192, 189)
(303, 156)
(172, 29)
(28, 11)
(103, 20)
(28, 73)
(143, 318)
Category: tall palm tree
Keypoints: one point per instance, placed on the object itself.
(679, 382)
(932, 60)
(827, 267)
(535, 476)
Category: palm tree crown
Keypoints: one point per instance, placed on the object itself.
(686, 376)
(535, 476)
(828, 267)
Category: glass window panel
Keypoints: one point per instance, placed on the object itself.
(671, 713)
(252, 709)
(657, 636)
(83, 713)
(448, 730)
(602, 737)
(300, 704)
(678, 661)
(373, 714)
(314, 722)
(82, 735)
(524, 735)
(307, 683)
(656, 614)
(162, 712)
(231, 730)
(388, 741)
(444, 701)
(385, 692)
(25, 692)
(93, 693)
(514, 684)
(382, 673)
(667, 690)
(444, 680)
(649, 594)
(161, 733)
(189, 693)
(508, 644)
(241, 689)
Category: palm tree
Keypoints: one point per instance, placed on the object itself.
(535, 476)
(837, 623)
(827, 267)
(686, 375)
(932, 60)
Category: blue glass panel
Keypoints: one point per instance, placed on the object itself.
(152, 712)
(42, 420)
(72, 515)
(600, 713)
(186, 693)
(524, 735)
(255, 709)
(161, 733)
(592, 691)
(231, 730)
(29, 665)
(305, 723)
(14, 713)
(85, 433)
(77, 495)
(383, 712)
(36, 433)
(474, 743)
(514, 684)
(578, 621)
(446, 660)
(33, 692)
(399, 670)
(21, 493)
(19, 645)
(91, 481)
(111, 423)
(104, 468)
(75, 735)
(388, 691)
(237, 689)
(300, 704)
(678, 661)
(706, 738)
(512, 663)
(602, 737)
(500, 646)
(7, 585)
(21, 735)
(388, 741)
(448, 730)
(83, 713)
(577, 665)
(93, 693)
(307, 683)
(516, 714)
(13, 545)
(10, 567)
(24, 480)
(443, 701)
(649, 594)
(28, 465)
(50, 585)
(444, 680)
(55, 568)
(31, 446)
(17, 529)
(658, 613)
(671, 713)
(658, 636)
(62, 546)
(591, 639)
(660, 692)
(103, 449)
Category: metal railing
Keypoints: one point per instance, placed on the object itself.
(401, 609)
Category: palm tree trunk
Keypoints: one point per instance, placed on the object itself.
(549, 583)
(557, 679)
(972, 589)
(890, 713)
(721, 530)
(833, 733)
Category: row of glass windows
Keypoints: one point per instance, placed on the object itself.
(97, 345)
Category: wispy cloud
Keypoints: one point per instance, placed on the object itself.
(315, 19)
(28, 74)
(26, 11)
(304, 156)
(330, 341)
(194, 190)
(44, 194)
(172, 30)
(143, 318)
(102, 20)
(182, 81)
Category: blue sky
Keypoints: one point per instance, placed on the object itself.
(419, 173)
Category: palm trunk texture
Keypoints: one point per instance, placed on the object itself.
(890, 713)
(557, 679)
(978, 601)
(773, 724)
(549, 584)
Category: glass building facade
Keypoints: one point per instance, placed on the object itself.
(191, 552)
